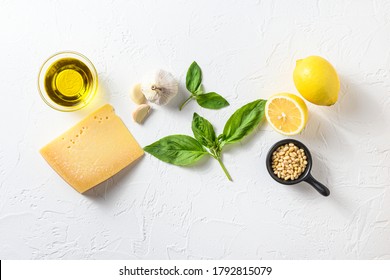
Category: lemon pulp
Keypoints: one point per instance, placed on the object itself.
(286, 113)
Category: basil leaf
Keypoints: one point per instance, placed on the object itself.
(203, 131)
(243, 121)
(211, 100)
(177, 149)
(194, 78)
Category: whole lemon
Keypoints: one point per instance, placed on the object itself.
(317, 80)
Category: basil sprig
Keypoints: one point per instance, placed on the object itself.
(185, 150)
(210, 100)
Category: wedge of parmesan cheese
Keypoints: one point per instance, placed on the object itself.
(93, 150)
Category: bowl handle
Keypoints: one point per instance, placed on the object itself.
(317, 185)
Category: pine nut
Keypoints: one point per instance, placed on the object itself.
(289, 162)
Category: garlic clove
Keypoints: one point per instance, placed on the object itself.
(160, 87)
(140, 113)
(136, 95)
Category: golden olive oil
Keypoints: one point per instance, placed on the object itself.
(68, 82)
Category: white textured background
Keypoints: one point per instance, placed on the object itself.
(247, 50)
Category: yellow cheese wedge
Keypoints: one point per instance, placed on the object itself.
(93, 150)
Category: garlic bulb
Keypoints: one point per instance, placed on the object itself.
(160, 87)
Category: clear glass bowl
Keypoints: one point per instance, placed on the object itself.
(47, 65)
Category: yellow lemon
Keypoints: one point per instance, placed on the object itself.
(287, 113)
(317, 80)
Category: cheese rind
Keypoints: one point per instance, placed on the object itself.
(93, 150)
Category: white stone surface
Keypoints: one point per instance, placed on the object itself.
(247, 50)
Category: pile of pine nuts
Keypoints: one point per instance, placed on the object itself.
(288, 162)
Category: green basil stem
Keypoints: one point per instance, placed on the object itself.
(185, 102)
(224, 169)
(216, 153)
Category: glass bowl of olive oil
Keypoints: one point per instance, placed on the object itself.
(67, 81)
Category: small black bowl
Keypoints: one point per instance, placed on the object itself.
(305, 176)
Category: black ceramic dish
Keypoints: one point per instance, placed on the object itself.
(305, 176)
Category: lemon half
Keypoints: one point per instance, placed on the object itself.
(287, 113)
